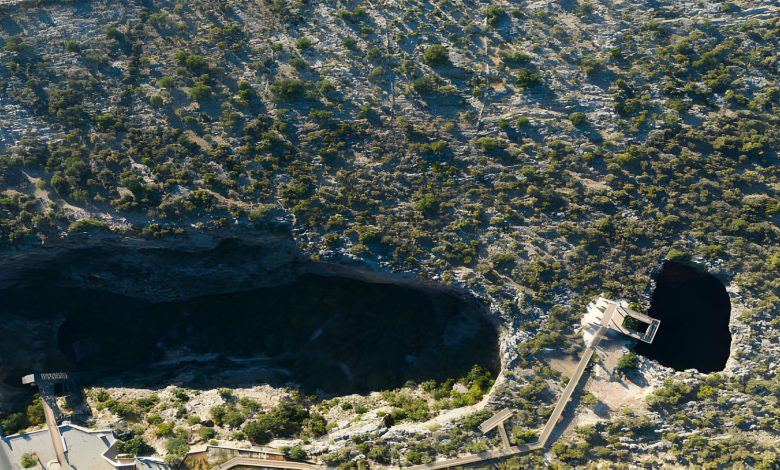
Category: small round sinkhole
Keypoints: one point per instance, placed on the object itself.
(694, 310)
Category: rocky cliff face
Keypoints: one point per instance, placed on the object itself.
(135, 268)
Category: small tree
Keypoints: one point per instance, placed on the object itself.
(14, 422)
(315, 426)
(436, 55)
(258, 431)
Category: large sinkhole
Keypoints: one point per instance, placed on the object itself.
(326, 334)
(694, 310)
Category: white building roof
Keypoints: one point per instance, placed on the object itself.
(84, 447)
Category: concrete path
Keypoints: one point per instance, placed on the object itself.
(54, 432)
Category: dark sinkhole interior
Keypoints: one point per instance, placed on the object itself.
(329, 334)
(694, 310)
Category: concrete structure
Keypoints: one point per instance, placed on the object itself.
(84, 449)
(623, 320)
(66, 446)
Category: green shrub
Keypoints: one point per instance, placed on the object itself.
(352, 15)
(135, 445)
(315, 426)
(494, 14)
(299, 63)
(166, 82)
(489, 144)
(14, 44)
(35, 415)
(154, 419)
(591, 65)
(374, 54)
(72, 46)
(672, 393)
(85, 225)
(207, 433)
(522, 122)
(525, 78)
(164, 429)
(570, 452)
(288, 88)
(427, 204)
(177, 447)
(259, 431)
(29, 460)
(13, 423)
(578, 118)
(195, 64)
(522, 436)
(349, 43)
(425, 85)
(199, 92)
(303, 43)
(379, 453)
(230, 36)
(234, 418)
(627, 362)
(113, 33)
(297, 452)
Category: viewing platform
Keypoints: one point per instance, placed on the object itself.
(624, 320)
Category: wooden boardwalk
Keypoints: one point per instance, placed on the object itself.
(551, 422)
(265, 463)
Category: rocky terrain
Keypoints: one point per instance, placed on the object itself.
(534, 153)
